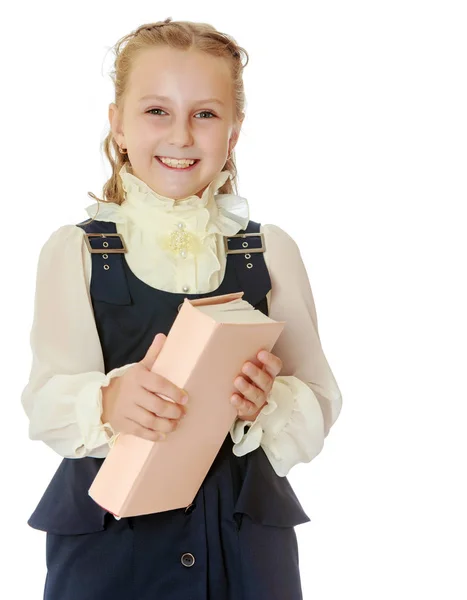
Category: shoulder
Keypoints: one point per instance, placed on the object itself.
(282, 255)
(62, 241)
(277, 239)
(65, 233)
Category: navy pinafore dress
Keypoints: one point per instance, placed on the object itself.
(236, 541)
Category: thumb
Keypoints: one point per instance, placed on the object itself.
(154, 350)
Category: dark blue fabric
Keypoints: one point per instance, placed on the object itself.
(240, 528)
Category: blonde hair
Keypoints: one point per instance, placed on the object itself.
(184, 35)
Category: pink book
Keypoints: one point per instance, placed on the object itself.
(204, 352)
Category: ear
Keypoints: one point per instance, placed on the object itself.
(115, 124)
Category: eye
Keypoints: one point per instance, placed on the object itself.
(203, 112)
(206, 112)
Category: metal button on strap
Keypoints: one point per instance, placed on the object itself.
(245, 244)
(249, 266)
(106, 267)
(247, 256)
(188, 560)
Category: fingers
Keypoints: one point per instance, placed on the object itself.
(250, 403)
(153, 351)
(148, 420)
(244, 407)
(250, 391)
(256, 384)
(135, 428)
(261, 378)
(272, 363)
(145, 403)
(157, 384)
(153, 403)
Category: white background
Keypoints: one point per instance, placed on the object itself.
(355, 144)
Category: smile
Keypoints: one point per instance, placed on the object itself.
(177, 165)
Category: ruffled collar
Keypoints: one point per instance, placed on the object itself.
(137, 189)
(211, 213)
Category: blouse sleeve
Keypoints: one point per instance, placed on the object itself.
(63, 397)
(305, 400)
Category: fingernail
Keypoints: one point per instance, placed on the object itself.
(184, 399)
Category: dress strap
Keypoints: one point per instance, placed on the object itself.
(107, 248)
(246, 249)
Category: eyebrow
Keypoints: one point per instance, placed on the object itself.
(167, 99)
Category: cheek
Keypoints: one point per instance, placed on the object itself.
(145, 128)
(215, 138)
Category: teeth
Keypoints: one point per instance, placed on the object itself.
(173, 162)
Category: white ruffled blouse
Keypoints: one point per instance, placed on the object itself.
(63, 397)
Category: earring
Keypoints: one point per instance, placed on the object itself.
(122, 151)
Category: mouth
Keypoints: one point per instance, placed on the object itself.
(177, 165)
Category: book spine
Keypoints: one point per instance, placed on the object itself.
(187, 339)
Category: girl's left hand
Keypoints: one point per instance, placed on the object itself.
(255, 390)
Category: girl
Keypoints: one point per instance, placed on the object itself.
(107, 294)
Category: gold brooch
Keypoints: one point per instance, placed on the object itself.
(181, 242)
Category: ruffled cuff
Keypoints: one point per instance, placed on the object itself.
(89, 411)
(289, 428)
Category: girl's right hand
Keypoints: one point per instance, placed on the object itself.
(130, 402)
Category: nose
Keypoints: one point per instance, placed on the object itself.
(180, 133)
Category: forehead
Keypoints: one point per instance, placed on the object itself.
(183, 75)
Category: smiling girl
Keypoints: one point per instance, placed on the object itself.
(108, 289)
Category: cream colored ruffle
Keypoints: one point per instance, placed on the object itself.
(156, 228)
(290, 427)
